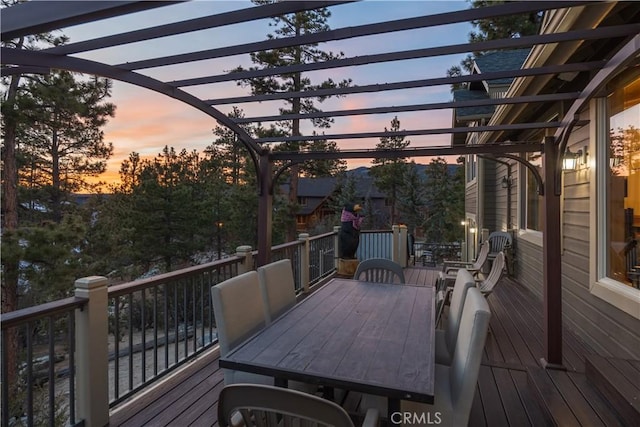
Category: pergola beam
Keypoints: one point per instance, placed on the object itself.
(413, 132)
(415, 107)
(433, 151)
(40, 16)
(520, 42)
(349, 32)
(204, 23)
(412, 84)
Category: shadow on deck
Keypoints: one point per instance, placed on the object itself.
(513, 390)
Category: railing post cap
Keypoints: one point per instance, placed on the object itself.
(303, 236)
(402, 226)
(243, 249)
(336, 228)
(90, 282)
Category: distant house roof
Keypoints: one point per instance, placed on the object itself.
(316, 190)
(501, 60)
(489, 62)
(472, 113)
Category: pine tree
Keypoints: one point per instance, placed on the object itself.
(411, 203)
(290, 25)
(11, 118)
(445, 202)
(389, 173)
(61, 140)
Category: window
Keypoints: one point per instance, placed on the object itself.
(472, 167)
(621, 148)
(533, 213)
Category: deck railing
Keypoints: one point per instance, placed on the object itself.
(36, 391)
(115, 341)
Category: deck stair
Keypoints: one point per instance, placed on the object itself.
(618, 380)
(569, 399)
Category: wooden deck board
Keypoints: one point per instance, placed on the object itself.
(503, 397)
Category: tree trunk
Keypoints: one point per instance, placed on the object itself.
(10, 225)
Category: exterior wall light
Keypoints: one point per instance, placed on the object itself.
(569, 161)
(506, 182)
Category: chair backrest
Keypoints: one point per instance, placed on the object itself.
(464, 281)
(238, 309)
(631, 254)
(278, 288)
(465, 365)
(499, 241)
(264, 405)
(497, 269)
(483, 255)
(379, 270)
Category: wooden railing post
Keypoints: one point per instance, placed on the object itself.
(304, 261)
(92, 352)
(336, 252)
(395, 250)
(402, 246)
(247, 264)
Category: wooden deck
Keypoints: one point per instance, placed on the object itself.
(513, 390)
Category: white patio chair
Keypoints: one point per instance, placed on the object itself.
(455, 385)
(487, 285)
(259, 405)
(277, 287)
(379, 270)
(450, 268)
(446, 337)
(239, 312)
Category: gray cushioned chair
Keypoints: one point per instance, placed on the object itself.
(446, 337)
(277, 287)
(455, 385)
(379, 270)
(239, 312)
(260, 405)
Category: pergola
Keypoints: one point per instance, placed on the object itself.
(614, 44)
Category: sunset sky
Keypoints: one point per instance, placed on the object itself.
(146, 121)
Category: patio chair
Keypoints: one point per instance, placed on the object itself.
(379, 270)
(278, 288)
(260, 405)
(450, 268)
(446, 337)
(500, 241)
(455, 385)
(239, 313)
(632, 262)
(487, 285)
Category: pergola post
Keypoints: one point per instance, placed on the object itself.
(265, 208)
(552, 261)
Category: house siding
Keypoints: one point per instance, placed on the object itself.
(471, 201)
(605, 328)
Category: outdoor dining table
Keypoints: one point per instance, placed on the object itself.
(367, 337)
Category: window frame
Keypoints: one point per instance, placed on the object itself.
(620, 295)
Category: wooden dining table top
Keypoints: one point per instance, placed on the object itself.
(368, 337)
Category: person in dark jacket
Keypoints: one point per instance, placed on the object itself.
(349, 235)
